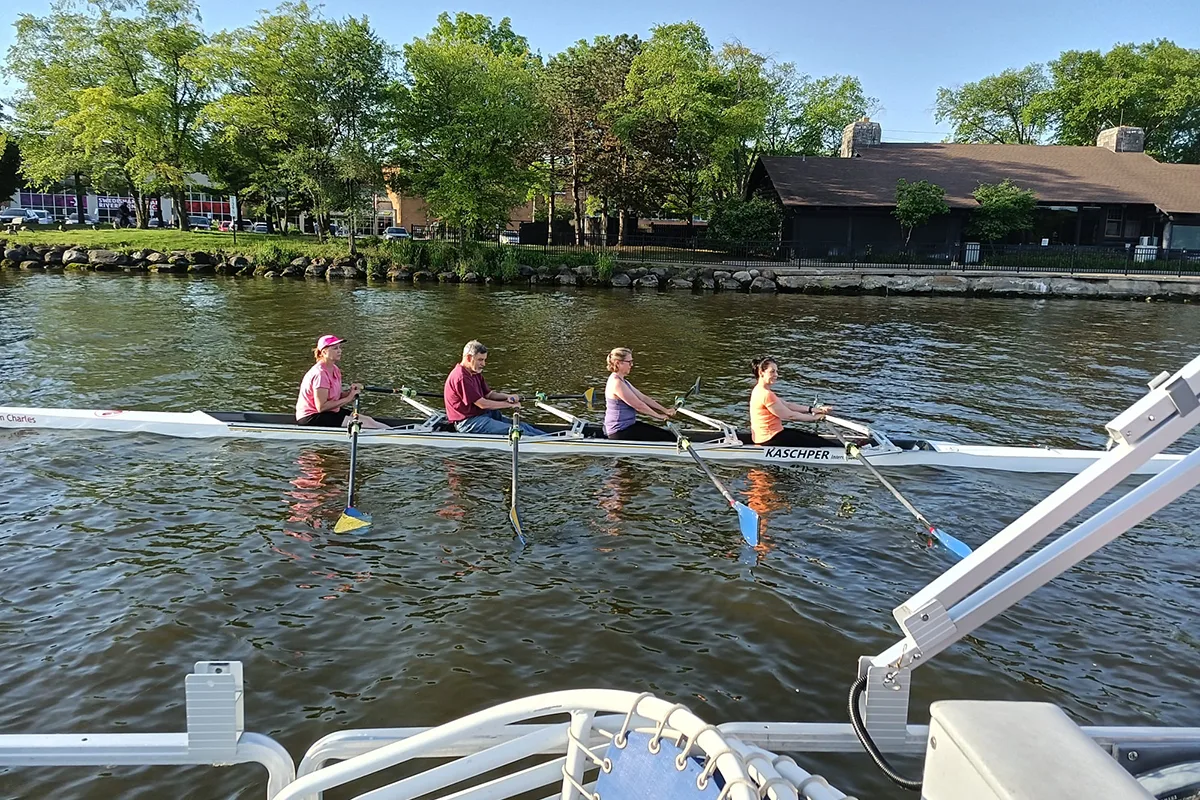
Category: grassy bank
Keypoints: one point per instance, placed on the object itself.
(483, 258)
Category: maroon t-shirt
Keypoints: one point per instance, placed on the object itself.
(462, 389)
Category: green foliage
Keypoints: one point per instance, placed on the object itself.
(917, 203)
(1003, 209)
(606, 265)
(466, 112)
(742, 222)
(998, 109)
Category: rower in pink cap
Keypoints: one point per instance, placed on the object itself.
(321, 401)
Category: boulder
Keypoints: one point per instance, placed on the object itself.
(586, 271)
(31, 264)
(448, 277)
(1012, 286)
(301, 263)
(661, 272)
(949, 284)
(568, 279)
(54, 256)
(292, 271)
(239, 262)
(525, 271)
(1070, 287)
(769, 274)
(199, 257)
(179, 262)
(720, 274)
(344, 261)
(169, 268)
(140, 255)
(272, 274)
(647, 281)
(761, 284)
(729, 284)
(743, 277)
(470, 277)
(349, 271)
(636, 272)
(19, 253)
(1120, 287)
(201, 269)
(155, 257)
(399, 274)
(422, 276)
(680, 283)
(708, 284)
(755, 274)
(314, 271)
(620, 280)
(75, 256)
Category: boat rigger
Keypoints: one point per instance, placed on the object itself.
(715, 440)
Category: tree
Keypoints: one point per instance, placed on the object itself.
(745, 222)
(917, 203)
(305, 111)
(467, 111)
(11, 178)
(1003, 208)
(1153, 86)
(807, 115)
(998, 109)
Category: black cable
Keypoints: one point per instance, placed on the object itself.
(860, 730)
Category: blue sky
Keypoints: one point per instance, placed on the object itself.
(902, 50)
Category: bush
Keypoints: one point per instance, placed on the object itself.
(742, 222)
(605, 266)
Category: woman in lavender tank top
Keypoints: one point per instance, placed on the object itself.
(622, 402)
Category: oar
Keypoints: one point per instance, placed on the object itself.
(587, 395)
(352, 519)
(514, 516)
(952, 544)
(747, 517)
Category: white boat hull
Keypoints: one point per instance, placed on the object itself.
(923, 453)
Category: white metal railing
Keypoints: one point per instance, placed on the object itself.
(215, 736)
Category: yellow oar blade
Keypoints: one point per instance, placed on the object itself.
(351, 520)
(589, 393)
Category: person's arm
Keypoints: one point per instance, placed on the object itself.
(652, 403)
(327, 403)
(812, 410)
(788, 411)
(634, 398)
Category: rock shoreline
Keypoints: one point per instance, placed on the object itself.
(58, 258)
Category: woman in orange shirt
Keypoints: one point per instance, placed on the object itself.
(768, 412)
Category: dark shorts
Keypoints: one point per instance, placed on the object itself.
(642, 432)
(325, 419)
(790, 437)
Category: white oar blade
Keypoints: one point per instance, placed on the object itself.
(748, 522)
(352, 520)
(515, 520)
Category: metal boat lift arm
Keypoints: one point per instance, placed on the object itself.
(974, 591)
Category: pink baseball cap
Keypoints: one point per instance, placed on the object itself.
(328, 340)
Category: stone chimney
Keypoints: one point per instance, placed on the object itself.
(1122, 139)
(858, 136)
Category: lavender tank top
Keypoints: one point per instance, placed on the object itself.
(618, 415)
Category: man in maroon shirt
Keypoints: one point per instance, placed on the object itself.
(471, 404)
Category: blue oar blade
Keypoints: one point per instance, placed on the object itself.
(748, 521)
(955, 546)
(352, 520)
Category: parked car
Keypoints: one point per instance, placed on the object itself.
(43, 217)
(202, 223)
(260, 227)
(510, 237)
(395, 233)
(88, 219)
(20, 215)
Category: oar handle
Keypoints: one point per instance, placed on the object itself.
(403, 391)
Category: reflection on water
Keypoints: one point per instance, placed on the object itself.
(127, 558)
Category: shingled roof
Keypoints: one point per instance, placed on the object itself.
(1057, 175)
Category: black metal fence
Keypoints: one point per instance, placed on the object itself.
(1070, 259)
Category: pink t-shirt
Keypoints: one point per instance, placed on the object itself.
(462, 389)
(321, 376)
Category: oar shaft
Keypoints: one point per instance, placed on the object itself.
(354, 426)
(720, 486)
(895, 493)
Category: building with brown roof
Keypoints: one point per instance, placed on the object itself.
(1112, 194)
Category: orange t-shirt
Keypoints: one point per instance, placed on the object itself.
(763, 424)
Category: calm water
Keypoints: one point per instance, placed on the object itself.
(125, 559)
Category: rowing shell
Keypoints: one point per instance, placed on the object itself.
(562, 440)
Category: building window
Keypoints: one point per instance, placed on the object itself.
(1112, 226)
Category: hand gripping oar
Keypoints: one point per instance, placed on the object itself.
(352, 519)
(514, 436)
(952, 544)
(747, 517)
